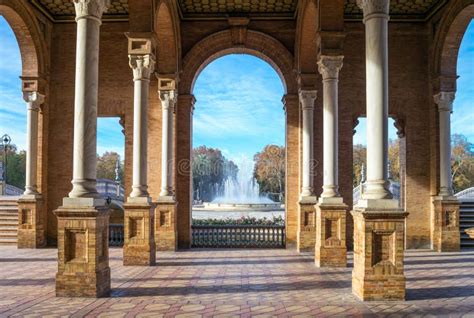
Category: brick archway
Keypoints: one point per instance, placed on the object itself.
(221, 43)
(448, 40)
(168, 38)
(29, 37)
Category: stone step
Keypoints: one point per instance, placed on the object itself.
(9, 217)
(8, 242)
(8, 228)
(8, 235)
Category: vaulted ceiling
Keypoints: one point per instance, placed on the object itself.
(209, 9)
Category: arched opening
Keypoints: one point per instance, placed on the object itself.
(238, 157)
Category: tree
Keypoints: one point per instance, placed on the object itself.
(210, 171)
(359, 160)
(462, 162)
(16, 166)
(269, 170)
(394, 158)
(106, 165)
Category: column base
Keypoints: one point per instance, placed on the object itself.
(139, 220)
(306, 236)
(166, 234)
(378, 252)
(445, 225)
(31, 222)
(330, 249)
(83, 250)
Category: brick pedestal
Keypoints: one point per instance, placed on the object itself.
(166, 233)
(306, 237)
(31, 222)
(445, 225)
(139, 246)
(378, 254)
(83, 251)
(330, 249)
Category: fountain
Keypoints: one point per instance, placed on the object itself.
(242, 193)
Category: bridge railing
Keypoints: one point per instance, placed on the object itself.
(116, 235)
(109, 188)
(357, 192)
(13, 191)
(230, 236)
(465, 195)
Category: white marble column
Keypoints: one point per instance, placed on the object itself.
(33, 101)
(167, 98)
(88, 18)
(376, 16)
(329, 67)
(445, 100)
(142, 66)
(307, 98)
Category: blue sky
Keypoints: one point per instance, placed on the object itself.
(238, 108)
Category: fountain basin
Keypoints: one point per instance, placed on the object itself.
(276, 206)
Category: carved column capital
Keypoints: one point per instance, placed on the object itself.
(445, 101)
(307, 98)
(329, 66)
(168, 98)
(142, 66)
(373, 8)
(90, 8)
(33, 99)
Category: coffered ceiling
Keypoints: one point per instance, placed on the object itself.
(211, 9)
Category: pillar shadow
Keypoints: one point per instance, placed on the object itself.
(439, 292)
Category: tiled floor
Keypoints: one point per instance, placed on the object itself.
(232, 283)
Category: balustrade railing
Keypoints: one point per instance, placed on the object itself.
(116, 235)
(231, 236)
(110, 188)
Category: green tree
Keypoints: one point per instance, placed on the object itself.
(269, 170)
(210, 171)
(462, 162)
(106, 165)
(16, 166)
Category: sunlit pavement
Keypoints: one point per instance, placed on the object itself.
(228, 283)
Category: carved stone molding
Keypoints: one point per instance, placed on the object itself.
(370, 7)
(329, 66)
(238, 28)
(33, 99)
(445, 100)
(142, 66)
(90, 8)
(168, 98)
(400, 125)
(307, 98)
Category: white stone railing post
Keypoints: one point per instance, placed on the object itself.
(88, 18)
(445, 100)
(34, 101)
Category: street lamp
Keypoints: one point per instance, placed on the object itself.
(6, 140)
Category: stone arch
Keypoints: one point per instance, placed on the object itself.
(168, 37)
(219, 44)
(306, 41)
(448, 38)
(29, 36)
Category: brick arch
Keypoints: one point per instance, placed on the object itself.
(168, 41)
(219, 44)
(29, 37)
(306, 46)
(448, 38)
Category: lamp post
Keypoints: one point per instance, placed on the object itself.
(6, 140)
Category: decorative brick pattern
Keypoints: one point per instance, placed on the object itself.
(330, 249)
(166, 233)
(234, 6)
(243, 283)
(397, 7)
(139, 246)
(31, 223)
(83, 252)
(306, 227)
(378, 255)
(445, 226)
(66, 7)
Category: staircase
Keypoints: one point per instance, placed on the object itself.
(466, 220)
(8, 220)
